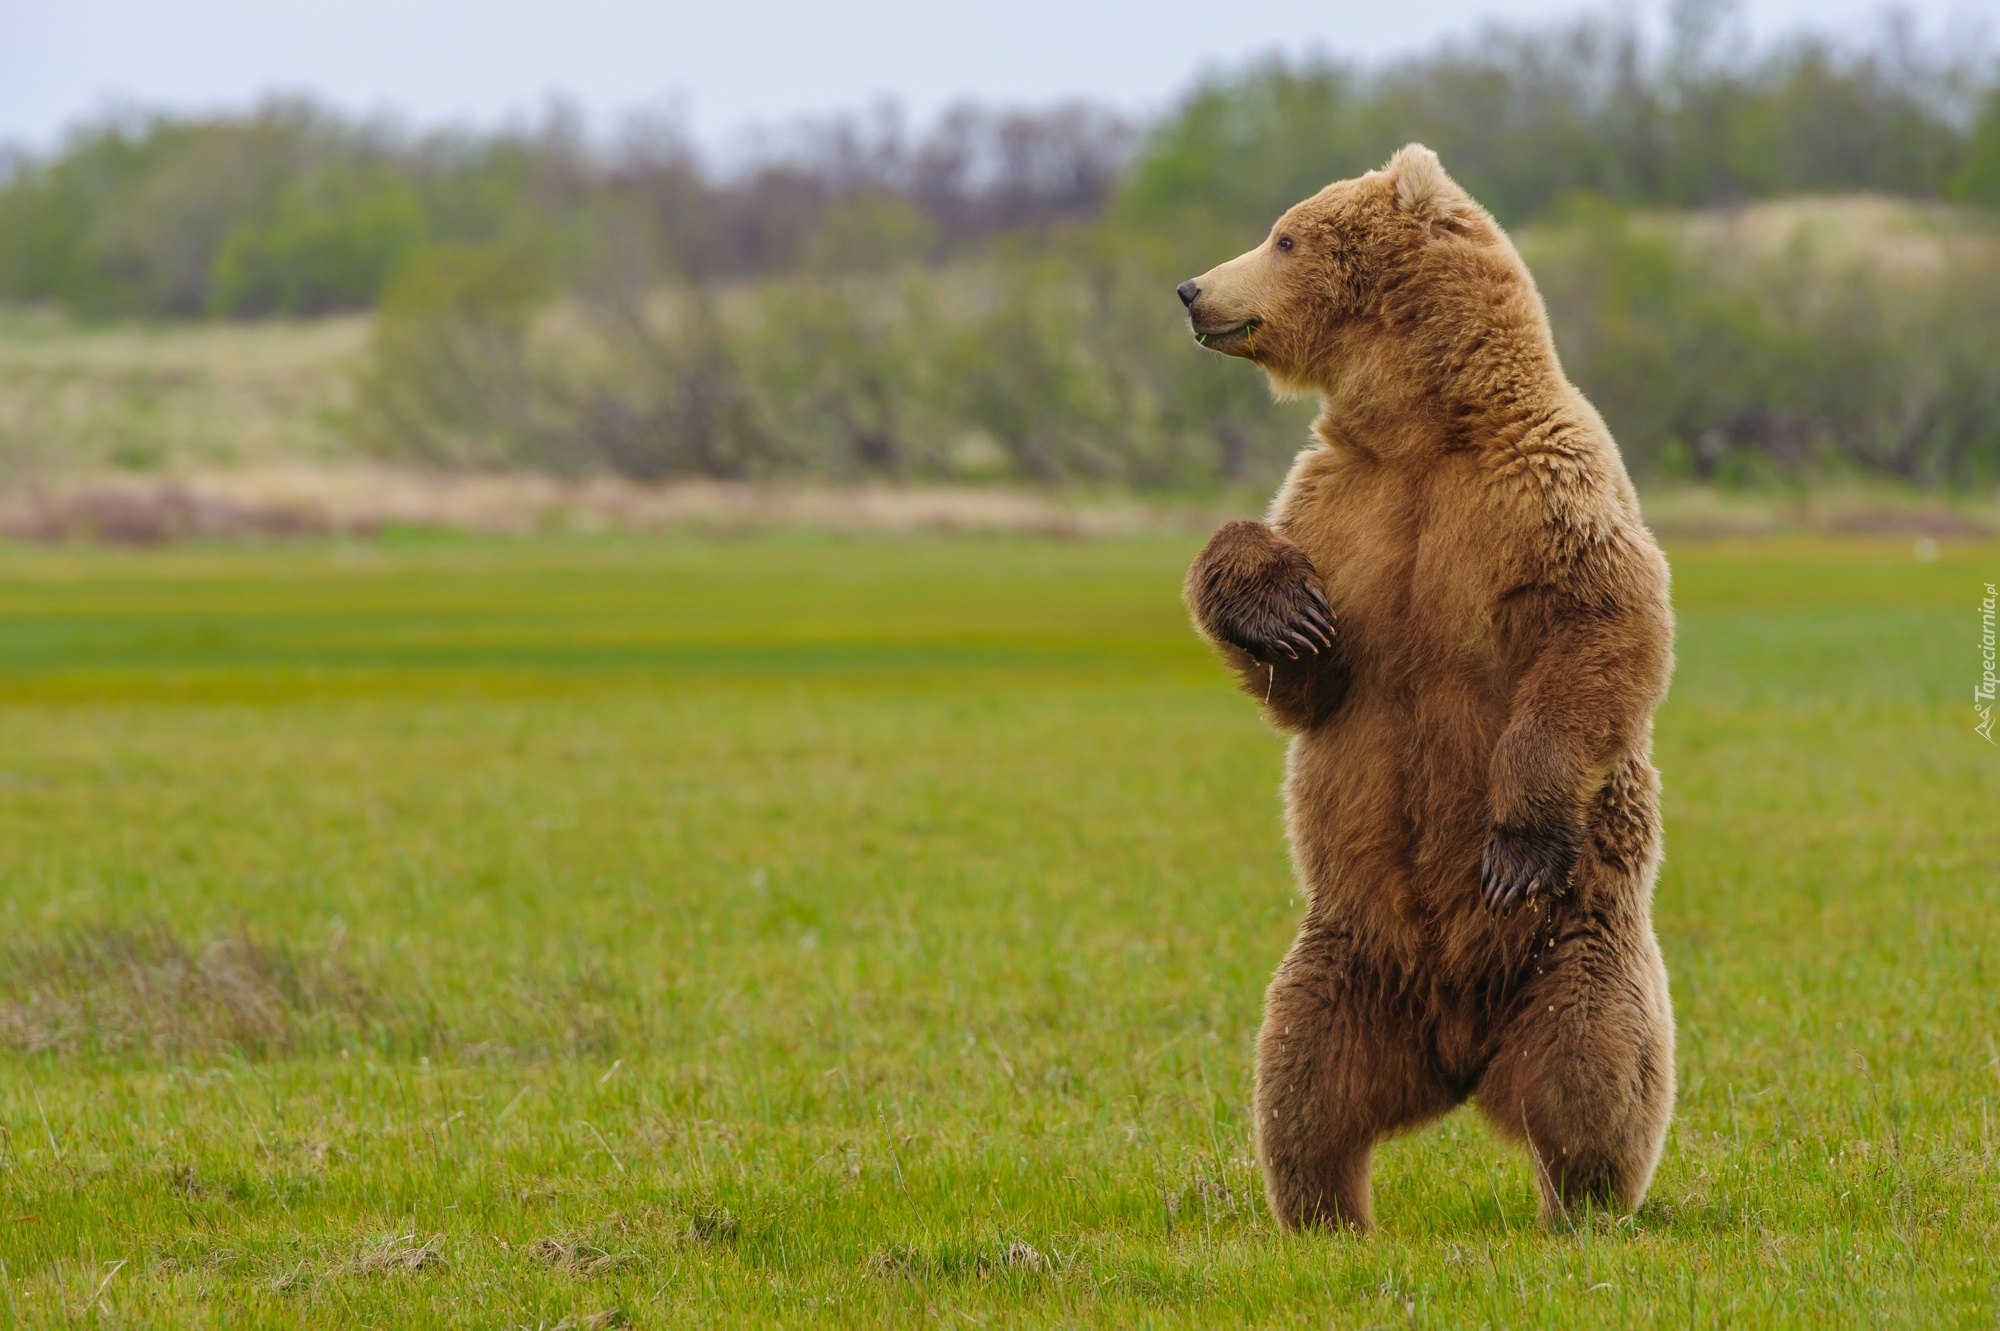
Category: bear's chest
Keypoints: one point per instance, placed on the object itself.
(1416, 576)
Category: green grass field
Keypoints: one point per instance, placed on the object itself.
(804, 931)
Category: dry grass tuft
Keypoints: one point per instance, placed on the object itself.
(597, 1321)
(143, 989)
(954, 1263)
(894, 1263)
(577, 1256)
(711, 1224)
(404, 1252)
(609, 1245)
(1022, 1257)
(183, 1179)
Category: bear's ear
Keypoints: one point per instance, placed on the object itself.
(1422, 188)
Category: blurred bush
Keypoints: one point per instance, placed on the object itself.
(1026, 366)
(330, 243)
(448, 380)
(1808, 338)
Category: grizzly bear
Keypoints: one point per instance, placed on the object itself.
(1455, 609)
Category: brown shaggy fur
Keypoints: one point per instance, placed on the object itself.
(1456, 609)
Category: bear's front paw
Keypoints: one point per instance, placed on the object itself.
(1522, 863)
(1255, 590)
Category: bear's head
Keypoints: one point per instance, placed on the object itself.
(1360, 264)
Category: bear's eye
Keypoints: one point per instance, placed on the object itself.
(1284, 242)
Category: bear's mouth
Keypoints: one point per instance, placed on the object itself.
(1240, 338)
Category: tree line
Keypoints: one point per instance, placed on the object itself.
(981, 296)
(293, 210)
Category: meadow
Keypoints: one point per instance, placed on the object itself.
(144, 399)
(582, 932)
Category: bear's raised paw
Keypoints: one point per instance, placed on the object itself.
(1256, 591)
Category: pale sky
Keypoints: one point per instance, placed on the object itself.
(723, 65)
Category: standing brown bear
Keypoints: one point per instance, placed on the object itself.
(1455, 609)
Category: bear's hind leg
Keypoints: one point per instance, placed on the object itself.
(1336, 1072)
(1584, 1071)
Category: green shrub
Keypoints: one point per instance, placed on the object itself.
(331, 244)
(1797, 339)
(449, 381)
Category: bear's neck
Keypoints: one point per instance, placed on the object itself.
(1478, 376)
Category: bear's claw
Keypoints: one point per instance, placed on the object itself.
(1295, 631)
(1295, 626)
(1519, 863)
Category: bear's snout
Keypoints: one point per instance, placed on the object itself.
(1187, 291)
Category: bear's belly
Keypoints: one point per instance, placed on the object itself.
(1387, 802)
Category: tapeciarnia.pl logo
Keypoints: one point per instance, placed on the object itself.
(1982, 697)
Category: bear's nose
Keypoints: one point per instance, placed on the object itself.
(1187, 291)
